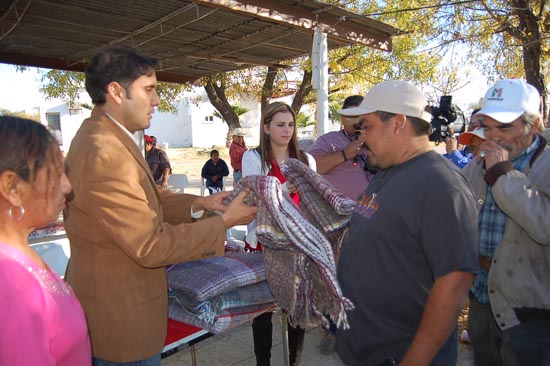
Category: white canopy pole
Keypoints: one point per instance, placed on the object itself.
(319, 60)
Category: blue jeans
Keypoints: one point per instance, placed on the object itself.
(214, 188)
(237, 175)
(151, 361)
(488, 340)
(530, 342)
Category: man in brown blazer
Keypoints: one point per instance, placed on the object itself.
(123, 230)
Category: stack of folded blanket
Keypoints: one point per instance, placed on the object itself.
(219, 293)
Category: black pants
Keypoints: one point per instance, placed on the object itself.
(262, 331)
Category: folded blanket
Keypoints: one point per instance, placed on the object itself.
(51, 230)
(206, 278)
(300, 243)
(226, 319)
(207, 310)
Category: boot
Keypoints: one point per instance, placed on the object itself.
(262, 329)
(295, 345)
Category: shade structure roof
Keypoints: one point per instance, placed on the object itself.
(191, 39)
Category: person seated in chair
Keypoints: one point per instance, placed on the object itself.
(213, 171)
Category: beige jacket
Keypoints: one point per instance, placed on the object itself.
(520, 270)
(123, 231)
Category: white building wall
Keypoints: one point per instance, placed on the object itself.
(207, 130)
(70, 121)
(172, 130)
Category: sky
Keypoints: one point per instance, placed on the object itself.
(19, 91)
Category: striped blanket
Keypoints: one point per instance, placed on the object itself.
(300, 243)
(210, 309)
(223, 321)
(203, 279)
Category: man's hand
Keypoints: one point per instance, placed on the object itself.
(211, 203)
(450, 144)
(238, 212)
(164, 184)
(353, 149)
(214, 179)
(493, 153)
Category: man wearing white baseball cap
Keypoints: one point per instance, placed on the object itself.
(409, 259)
(509, 314)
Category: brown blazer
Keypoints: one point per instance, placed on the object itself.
(123, 231)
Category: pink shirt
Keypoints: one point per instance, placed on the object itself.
(41, 321)
(349, 179)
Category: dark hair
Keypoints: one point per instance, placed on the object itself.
(420, 126)
(265, 150)
(121, 64)
(26, 146)
(214, 152)
(352, 101)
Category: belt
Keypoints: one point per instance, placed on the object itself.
(485, 262)
(236, 170)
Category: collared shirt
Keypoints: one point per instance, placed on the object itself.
(133, 137)
(492, 223)
(349, 178)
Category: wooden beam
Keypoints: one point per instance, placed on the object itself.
(59, 64)
(371, 33)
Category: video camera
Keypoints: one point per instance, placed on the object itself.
(442, 116)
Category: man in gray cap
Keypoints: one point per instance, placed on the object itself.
(409, 259)
(509, 318)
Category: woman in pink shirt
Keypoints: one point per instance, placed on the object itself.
(41, 321)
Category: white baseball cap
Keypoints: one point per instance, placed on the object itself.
(394, 96)
(508, 99)
(238, 132)
(466, 137)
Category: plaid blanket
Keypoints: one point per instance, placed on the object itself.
(53, 229)
(203, 279)
(300, 243)
(208, 310)
(226, 319)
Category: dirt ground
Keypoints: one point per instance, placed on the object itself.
(190, 160)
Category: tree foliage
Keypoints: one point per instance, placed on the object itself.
(20, 114)
(68, 86)
(502, 38)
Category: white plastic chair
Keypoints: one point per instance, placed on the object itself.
(179, 181)
(203, 185)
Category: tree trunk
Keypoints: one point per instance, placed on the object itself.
(267, 89)
(531, 48)
(303, 91)
(216, 94)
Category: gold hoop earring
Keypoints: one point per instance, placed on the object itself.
(21, 213)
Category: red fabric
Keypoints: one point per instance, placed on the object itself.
(275, 171)
(178, 330)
